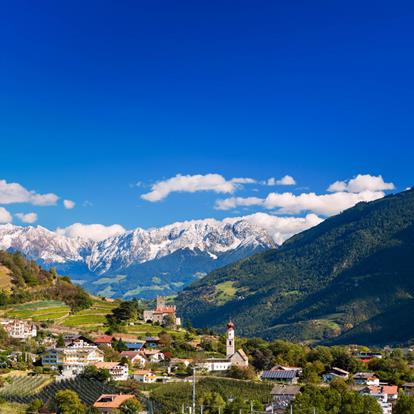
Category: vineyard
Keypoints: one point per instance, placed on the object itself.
(24, 386)
(25, 389)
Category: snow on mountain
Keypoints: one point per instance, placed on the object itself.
(136, 246)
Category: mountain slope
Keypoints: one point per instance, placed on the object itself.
(141, 262)
(341, 279)
(23, 280)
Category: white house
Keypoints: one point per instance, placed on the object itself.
(117, 371)
(144, 375)
(366, 378)
(135, 357)
(19, 329)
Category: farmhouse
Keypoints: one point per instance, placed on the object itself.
(335, 373)
(104, 340)
(118, 372)
(135, 357)
(19, 329)
(162, 313)
(110, 403)
(408, 388)
(282, 398)
(280, 375)
(366, 378)
(143, 375)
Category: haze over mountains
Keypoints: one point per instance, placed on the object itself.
(149, 262)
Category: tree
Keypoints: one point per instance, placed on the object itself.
(34, 406)
(405, 405)
(68, 402)
(241, 373)
(60, 343)
(131, 406)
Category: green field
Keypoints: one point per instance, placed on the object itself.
(39, 311)
(47, 310)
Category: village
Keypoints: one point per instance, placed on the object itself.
(125, 367)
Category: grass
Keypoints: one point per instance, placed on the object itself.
(225, 292)
(39, 310)
(5, 279)
(89, 319)
(13, 408)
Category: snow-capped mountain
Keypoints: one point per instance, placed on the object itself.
(141, 262)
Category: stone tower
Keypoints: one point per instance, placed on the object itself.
(160, 302)
(230, 346)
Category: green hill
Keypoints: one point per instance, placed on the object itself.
(22, 280)
(349, 279)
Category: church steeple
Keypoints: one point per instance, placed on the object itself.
(230, 347)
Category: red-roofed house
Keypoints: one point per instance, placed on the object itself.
(104, 340)
(110, 403)
(117, 371)
(135, 357)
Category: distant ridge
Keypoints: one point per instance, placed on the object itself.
(141, 262)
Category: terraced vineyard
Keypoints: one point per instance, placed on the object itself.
(88, 390)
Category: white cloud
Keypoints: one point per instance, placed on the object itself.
(289, 203)
(191, 184)
(325, 204)
(95, 232)
(5, 216)
(27, 218)
(244, 180)
(69, 204)
(286, 180)
(361, 183)
(15, 193)
(233, 202)
(282, 228)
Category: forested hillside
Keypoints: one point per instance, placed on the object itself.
(23, 280)
(349, 279)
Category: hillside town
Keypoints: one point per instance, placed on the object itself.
(111, 372)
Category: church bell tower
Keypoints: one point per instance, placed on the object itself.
(230, 346)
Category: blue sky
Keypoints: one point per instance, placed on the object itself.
(97, 96)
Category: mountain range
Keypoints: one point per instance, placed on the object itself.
(140, 262)
(349, 279)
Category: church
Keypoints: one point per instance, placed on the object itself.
(233, 358)
(239, 357)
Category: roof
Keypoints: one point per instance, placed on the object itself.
(106, 365)
(143, 372)
(242, 354)
(152, 339)
(279, 374)
(285, 390)
(382, 389)
(230, 324)
(341, 371)
(134, 345)
(103, 339)
(408, 385)
(151, 351)
(131, 354)
(112, 400)
(166, 309)
(365, 375)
